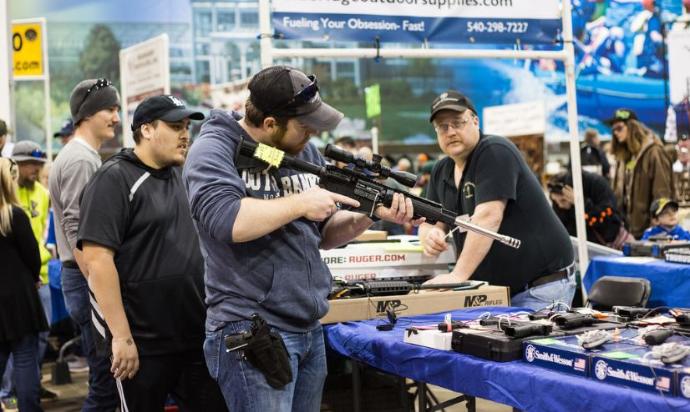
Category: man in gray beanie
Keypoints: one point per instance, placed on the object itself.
(94, 104)
(90, 97)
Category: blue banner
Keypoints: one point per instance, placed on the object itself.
(354, 27)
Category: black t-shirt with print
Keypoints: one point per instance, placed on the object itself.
(497, 171)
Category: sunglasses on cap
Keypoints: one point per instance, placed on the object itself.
(303, 96)
(100, 84)
(38, 154)
(623, 114)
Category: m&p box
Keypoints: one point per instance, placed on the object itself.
(563, 354)
(345, 310)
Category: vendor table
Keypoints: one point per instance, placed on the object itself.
(516, 383)
(670, 281)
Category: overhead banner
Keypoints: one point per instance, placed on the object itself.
(443, 21)
(144, 72)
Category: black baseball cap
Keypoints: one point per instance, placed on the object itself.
(659, 205)
(66, 130)
(166, 107)
(284, 91)
(621, 115)
(451, 100)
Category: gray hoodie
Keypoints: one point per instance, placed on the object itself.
(280, 275)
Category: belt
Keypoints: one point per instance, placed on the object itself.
(553, 277)
(70, 264)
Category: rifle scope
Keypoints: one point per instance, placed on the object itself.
(340, 155)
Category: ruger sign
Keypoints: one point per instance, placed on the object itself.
(452, 21)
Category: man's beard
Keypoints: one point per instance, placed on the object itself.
(28, 183)
(277, 140)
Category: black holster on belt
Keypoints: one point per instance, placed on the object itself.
(265, 350)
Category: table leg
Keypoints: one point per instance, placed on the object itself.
(356, 387)
(471, 403)
(421, 396)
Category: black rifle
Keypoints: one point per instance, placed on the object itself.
(391, 287)
(360, 183)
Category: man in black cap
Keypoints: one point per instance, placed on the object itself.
(66, 132)
(94, 104)
(487, 178)
(261, 231)
(138, 239)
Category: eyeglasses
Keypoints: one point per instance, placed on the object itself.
(444, 128)
(303, 96)
(100, 84)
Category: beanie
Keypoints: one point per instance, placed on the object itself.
(91, 96)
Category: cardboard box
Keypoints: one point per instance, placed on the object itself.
(370, 235)
(385, 260)
(415, 303)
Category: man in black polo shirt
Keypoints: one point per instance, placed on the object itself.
(486, 178)
(146, 272)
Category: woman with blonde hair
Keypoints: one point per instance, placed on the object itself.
(643, 169)
(21, 314)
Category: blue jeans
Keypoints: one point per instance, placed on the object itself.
(541, 296)
(245, 388)
(7, 388)
(28, 384)
(102, 394)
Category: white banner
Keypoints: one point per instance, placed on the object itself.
(456, 21)
(144, 72)
(679, 65)
(520, 119)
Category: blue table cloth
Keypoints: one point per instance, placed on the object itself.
(670, 281)
(517, 383)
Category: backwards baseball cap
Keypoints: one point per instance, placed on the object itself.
(66, 130)
(451, 100)
(166, 107)
(28, 151)
(659, 205)
(621, 115)
(91, 96)
(287, 92)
